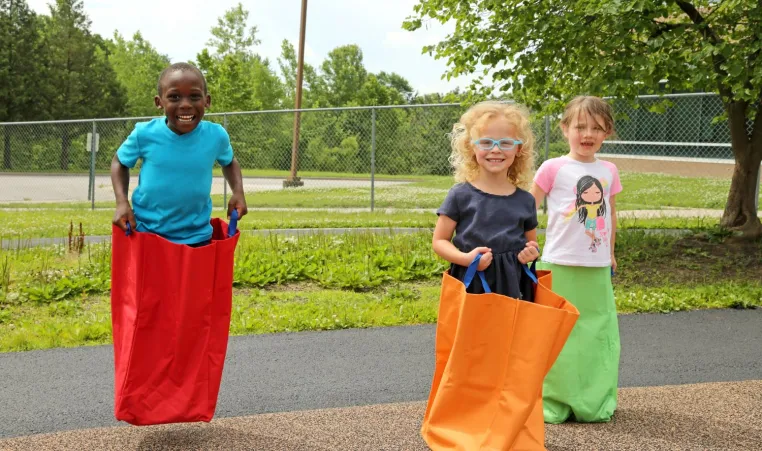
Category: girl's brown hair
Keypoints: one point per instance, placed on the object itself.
(592, 106)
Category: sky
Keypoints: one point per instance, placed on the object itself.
(180, 29)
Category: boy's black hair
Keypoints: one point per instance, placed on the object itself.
(181, 67)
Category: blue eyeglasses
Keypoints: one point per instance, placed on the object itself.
(502, 144)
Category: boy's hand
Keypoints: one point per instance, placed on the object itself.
(530, 253)
(237, 202)
(485, 260)
(124, 215)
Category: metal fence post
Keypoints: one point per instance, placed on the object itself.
(93, 149)
(372, 159)
(224, 182)
(6, 147)
(547, 150)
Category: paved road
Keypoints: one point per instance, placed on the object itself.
(59, 188)
(63, 389)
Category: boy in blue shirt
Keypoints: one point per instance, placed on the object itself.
(172, 198)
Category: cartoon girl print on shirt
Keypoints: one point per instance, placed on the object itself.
(590, 208)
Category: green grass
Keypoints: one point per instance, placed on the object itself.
(261, 173)
(50, 297)
(22, 224)
(18, 226)
(641, 191)
(88, 321)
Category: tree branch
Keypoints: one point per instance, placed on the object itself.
(709, 34)
(698, 19)
(667, 27)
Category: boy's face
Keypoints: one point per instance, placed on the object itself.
(183, 100)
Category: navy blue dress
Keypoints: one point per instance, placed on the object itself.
(494, 221)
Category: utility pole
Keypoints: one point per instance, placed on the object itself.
(292, 179)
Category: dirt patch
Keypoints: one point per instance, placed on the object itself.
(696, 259)
(673, 167)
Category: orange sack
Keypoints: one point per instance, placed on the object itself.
(492, 354)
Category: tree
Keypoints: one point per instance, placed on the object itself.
(398, 83)
(343, 74)
(20, 66)
(546, 51)
(230, 36)
(288, 66)
(80, 82)
(137, 65)
(238, 79)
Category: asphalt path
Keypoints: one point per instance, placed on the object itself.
(64, 389)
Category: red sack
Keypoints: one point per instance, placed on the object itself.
(170, 312)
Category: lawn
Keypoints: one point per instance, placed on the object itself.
(52, 297)
(18, 226)
(641, 191)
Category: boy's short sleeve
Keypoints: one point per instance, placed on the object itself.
(129, 152)
(225, 155)
(449, 206)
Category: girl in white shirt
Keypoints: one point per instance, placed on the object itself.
(579, 250)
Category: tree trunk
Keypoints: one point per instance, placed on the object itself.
(65, 146)
(740, 212)
(7, 148)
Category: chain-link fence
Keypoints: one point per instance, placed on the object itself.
(356, 151)
(683, 126)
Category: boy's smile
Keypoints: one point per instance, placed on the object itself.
(183, 100)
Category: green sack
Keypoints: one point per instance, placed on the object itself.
(582, 384)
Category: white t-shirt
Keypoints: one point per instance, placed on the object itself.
(579, 210)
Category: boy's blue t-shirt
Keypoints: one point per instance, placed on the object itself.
(172, 198)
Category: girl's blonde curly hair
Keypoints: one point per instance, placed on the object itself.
(467, 129)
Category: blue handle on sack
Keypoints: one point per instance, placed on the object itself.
(471, 272)
(531, 272)
(233, 226)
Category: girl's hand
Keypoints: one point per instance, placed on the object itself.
(530, 253)
(485, 260)
(613, 262)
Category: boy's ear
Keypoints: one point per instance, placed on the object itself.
(157, 102)
(208, 101)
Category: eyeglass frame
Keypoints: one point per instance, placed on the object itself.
(496, 142)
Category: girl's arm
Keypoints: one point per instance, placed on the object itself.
(442, 245)
(531, 236)
(612, 201)
(530, 252)
(538, 193)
